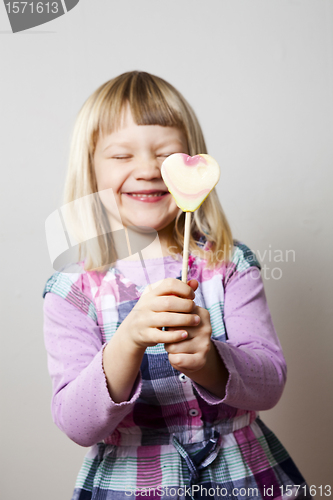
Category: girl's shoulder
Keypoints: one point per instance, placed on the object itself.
(75, 285)
(243, 257)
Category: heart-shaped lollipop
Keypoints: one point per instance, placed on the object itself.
(189, 179)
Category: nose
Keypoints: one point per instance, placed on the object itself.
(147, 169)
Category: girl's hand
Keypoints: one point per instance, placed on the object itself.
(169, 305)
(197, 356)
(192, 354)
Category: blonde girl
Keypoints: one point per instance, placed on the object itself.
(164, 383)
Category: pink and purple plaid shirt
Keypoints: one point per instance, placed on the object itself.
(172, 433)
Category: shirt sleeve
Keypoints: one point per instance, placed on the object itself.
(252, 354)
(81, 403)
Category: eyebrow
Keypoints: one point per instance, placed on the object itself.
(126, 144)
(167, 143)
(117, 144)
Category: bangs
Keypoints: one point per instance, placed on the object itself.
(152, 102)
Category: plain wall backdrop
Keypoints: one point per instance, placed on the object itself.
(259, 75)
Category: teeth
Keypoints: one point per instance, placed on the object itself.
(153, 195)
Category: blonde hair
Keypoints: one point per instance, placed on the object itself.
(152, 101)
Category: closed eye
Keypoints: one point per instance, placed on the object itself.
(164, 155)
(121, 157)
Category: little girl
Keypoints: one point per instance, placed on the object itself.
(163, 380)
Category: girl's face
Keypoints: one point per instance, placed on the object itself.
(129, 161)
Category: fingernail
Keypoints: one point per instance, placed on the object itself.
(197, 319)
(184, 334)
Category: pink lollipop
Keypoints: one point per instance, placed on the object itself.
(189, 179)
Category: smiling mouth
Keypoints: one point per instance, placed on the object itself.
(147, 194)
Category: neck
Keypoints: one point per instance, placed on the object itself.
(167, 242)
(147, 245)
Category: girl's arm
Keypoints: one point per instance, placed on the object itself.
(81, 404)
(96, 386)
(253, 353)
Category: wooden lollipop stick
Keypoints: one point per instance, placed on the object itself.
(186, 245)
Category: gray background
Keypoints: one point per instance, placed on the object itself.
(259, 75)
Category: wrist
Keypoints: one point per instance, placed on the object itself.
(213, 376)
(121, 365)
(125, 335)
(127, 344)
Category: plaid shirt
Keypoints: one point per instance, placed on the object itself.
(170, 420)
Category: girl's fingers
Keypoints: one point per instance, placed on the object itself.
(186, 362)
(171, 303)
(188, 347)
(172, 286)
(193, 284)
(176, 320)
(157, 336)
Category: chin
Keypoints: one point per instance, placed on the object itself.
(143, 229)
(143, 225)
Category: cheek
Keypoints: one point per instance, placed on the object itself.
(109, 202)
(106, 176)
(104, 179)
